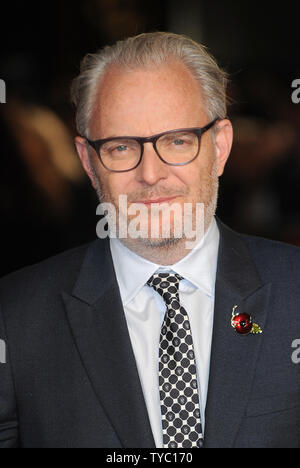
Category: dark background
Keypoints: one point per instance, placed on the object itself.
(46, 203)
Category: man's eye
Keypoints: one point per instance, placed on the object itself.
(178, 142)
(121, 148)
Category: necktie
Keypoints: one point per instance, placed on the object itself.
(181, 423)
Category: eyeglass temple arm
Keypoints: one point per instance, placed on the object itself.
(211, 124)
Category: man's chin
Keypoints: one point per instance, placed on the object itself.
(158, 245)
(159, 242)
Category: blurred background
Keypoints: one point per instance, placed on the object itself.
(46, 202)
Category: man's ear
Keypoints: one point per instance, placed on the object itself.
(223, 143)
(83, 153)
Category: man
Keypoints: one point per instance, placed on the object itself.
(147, 340)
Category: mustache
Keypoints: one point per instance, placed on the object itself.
(149, 194)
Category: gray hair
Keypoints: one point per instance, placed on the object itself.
(144, 50)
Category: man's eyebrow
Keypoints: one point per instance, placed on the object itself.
(116, 136)
(142, 136)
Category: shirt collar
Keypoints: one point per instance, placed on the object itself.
(198, 267)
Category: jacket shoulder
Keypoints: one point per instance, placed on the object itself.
(59, 271)
(276, 259)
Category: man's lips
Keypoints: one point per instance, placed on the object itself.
(151, 201)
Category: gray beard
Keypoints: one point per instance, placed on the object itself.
(161, 244)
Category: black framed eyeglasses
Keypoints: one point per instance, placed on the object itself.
(174, 147)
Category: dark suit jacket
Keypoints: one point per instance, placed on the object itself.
(70, 379)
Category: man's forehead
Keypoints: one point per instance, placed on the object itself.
(166, 92)
(118, 78)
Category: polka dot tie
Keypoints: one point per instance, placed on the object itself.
(181, 423)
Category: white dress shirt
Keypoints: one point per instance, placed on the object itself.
(145, 309)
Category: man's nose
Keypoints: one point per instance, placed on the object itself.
(151, 169)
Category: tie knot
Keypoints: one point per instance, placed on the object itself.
(166, 284)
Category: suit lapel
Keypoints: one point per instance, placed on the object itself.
(234, 356)
(98, 324)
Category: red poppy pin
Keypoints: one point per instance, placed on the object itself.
(242, 323)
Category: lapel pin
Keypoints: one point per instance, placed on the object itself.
(242, 323)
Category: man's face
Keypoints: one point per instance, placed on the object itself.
(145, 102)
